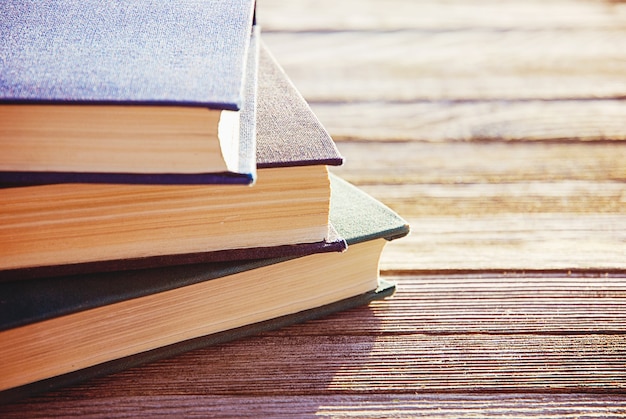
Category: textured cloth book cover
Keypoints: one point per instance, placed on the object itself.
(142, 51)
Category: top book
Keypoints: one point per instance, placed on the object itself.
(146, 69)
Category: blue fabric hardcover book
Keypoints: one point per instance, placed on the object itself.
(126, 91)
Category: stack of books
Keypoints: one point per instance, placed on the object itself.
(164, 187)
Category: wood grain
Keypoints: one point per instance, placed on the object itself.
(517, 242)
(437, 15)
(495, 163)
(387, 405)
(409, 66)
(499, 304)
(445, 121)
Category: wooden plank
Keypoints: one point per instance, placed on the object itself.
(409, 66)
(499, 304)
(440, 121)
(419, 163)
(510, 242)
(446, 405)
(566, 198)
(438, 15)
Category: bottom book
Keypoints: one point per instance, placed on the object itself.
(63, 330)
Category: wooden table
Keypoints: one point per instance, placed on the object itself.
(498, 129)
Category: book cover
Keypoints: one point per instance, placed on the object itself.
(137, 52)
(145, 53)
(288, 132)
(288, 135)
(284, 290)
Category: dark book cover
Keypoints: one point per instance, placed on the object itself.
(178, 52)
(287, 134)
(356, 215)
